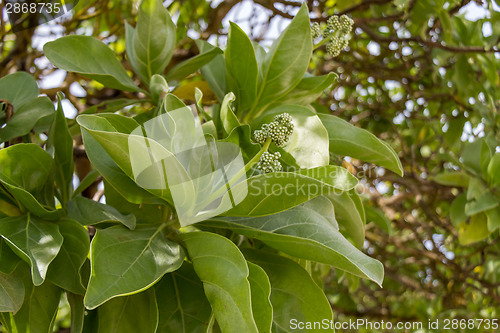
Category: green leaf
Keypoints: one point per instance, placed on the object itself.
(77, 312)
(102, 141)
(308, 143)
(113, 174)
(308, 231)
(158, 87)
(348, 216)
(89, 212)
(241, 136)
(8, 259)
(20, 160)
(471, 155)
(224, 273)
(346, 139)
(18, 88)
(294, 294)
(89, 179)
(151, 45)
(33, 240)
(11, 292)
(309, 89)
(144, 213)
(76, 53)
(125, 262)
(191, 65)
(182, 304)
(129, 314)
(287, 60)
(25, 118)
(453, 178)
(39, 309)
(493, 172)
(241, 68)
(474, 231)
(227, 116)
(457, 210)
(261, 291)
(215, 71)
(479, 198)
(493, 216)
(60, 146)
(64, 271)
(379, 218)
(278, 191)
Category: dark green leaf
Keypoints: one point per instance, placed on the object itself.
(151, 45)
(8, 259)
(64, 271)
(25, 118)
(182, 303)
(125, 262)
(379, 218)
(90, 212)
(294, 295)
(308, 231)
(261, 292)
(129, 314)
(278, 191)
(348, 216)
(215, 71)
(287, 60)
(241, 68)
(60, 146)
(76, 53)
(224, 272)
(309, 89)
(77, 312)
(18, 88)
(11, 292)
(191, 65)
(35, 241)
(346, 139)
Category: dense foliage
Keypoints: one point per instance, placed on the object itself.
(187, 253)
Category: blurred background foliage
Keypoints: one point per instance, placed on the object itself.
(423, 75)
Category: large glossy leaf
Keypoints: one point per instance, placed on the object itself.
(11, 292)
(224, 273)
(116, 145)
(215, 71)
(77, 53)
(309, 89)
(112, 173)
(151, 45)
(25, 118)
(287, 60)
(90, 212)
(241, 68)
(294, 294)
(278, 191)
(182, 303)
(60, 146)
(129, 314)
(261, 302)
(308, 143)
(39, 309)
(18, 88)
(25, 170)
(125, 262)
(308, 231)
(350, 219)
(193, 64)
(346, 139)
(64, 271)
(35, 241)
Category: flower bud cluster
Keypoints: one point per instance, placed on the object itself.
(269, 162)
(279, 130)
(337, 31)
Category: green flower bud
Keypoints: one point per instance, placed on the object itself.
(315, 30)
(269, 162)
(279, 130)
